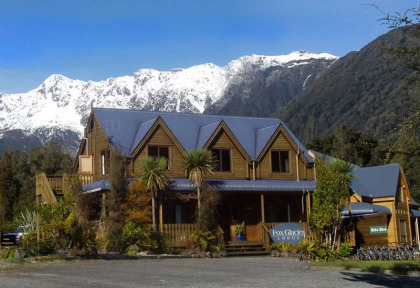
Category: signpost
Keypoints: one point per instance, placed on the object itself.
(378, 229)
(287, 232)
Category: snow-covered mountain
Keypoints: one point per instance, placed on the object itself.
(60, 105)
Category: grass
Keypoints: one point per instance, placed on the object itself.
(397, 267)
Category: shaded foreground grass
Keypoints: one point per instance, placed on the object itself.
(397, 267)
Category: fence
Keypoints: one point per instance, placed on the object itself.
(178, 235)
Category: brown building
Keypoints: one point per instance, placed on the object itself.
(263, 172)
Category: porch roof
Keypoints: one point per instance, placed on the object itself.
(223, 185)
(227, 185)
(363, 209)
(415, 213)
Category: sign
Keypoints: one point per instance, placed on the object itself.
(287, 232)
(378, 229)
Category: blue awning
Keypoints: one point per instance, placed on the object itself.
(364, 209)
(223, 185)
(415, 213)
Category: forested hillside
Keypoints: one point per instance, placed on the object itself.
(370, 90)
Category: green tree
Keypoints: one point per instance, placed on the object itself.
(115, 220)
(7, 188)
(52, 159)
(407, 147)
(152, 171)
(198, 162)
(137, 206)
(352, 146)
(331, 195)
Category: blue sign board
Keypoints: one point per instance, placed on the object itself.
(287, 232)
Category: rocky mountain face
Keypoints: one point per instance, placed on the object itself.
(255, 85)
(370, 90)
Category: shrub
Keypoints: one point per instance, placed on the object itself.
(146, 241)
(345, 250)
(204, 240)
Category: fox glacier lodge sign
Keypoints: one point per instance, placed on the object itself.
(287, 232)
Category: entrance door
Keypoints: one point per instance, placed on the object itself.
(251, 216)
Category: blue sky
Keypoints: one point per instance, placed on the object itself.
(98, 39)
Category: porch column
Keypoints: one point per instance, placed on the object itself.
(161, 212)
(308, 206)
(262, 209)
(417, 232)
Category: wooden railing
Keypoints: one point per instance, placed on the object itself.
(56, 185)
(56, 182)
(43, 189)
(178, 235)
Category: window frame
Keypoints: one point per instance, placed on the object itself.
(158, 148)
(105, 162)
(279, 155)
(220, 164)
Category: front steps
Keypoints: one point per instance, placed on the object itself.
(246, 248)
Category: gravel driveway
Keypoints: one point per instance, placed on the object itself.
(226, 272)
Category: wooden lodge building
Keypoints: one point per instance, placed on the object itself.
(265, 175)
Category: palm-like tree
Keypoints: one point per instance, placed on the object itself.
(152, 173)
(198, 163)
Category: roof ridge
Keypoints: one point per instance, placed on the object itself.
(187, 113)
(137, 131)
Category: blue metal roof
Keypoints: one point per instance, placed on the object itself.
(239, 185)
(362, 208)
(223, 185)
(372, 182)
(126, 128)
(376, 182)
(415, 213)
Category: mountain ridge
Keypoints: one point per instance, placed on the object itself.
(61, 103)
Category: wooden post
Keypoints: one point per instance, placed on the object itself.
(161, 212)
(409, 218)
(253, 170)
(262, 209)
(308, 206)
(288, 212)
(103, 210)
(37, 220)
(297, 165)
(417, 232)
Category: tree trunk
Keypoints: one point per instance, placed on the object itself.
(198, 202)
(153, 213)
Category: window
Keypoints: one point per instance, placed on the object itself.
(159, 151)
(280, 161)
(221, 158)
(403, 231)
(105, 157)
(401, 195)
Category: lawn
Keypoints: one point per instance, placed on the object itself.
(397, 267)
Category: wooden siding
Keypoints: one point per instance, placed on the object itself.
(363, 225)
(239, 165)
(176, 161)
(264, 167)
(97, 142)
(310, 173)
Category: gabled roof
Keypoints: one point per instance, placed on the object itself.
(126, 128)
(377, 181)
(371, 182)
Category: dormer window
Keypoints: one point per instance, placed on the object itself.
(159, 151)
(221, 158)
(280, 162)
